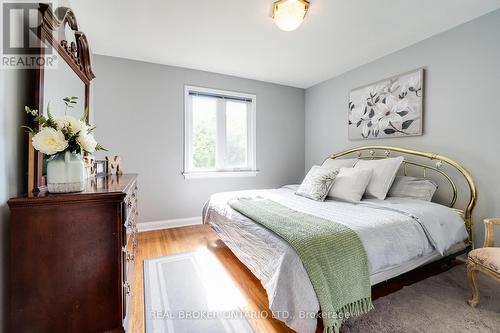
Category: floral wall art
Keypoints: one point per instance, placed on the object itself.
(388, 108)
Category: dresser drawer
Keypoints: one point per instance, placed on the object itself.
(129, 257)
(129, 249)
(131, 210)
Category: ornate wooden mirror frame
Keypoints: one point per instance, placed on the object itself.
(52, 31)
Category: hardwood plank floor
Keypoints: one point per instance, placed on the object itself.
(165, 242)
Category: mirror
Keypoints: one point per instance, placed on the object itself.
(59, 83)
(70, 76)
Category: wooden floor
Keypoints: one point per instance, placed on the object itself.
(165, 242)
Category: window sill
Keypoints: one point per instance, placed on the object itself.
(219, 174)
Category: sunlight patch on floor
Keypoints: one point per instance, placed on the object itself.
(221, 292)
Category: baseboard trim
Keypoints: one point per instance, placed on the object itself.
(167, 224)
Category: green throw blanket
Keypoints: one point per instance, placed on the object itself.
(331, 253)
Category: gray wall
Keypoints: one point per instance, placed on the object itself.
(14, 95)
(139, 113)
(461, 109)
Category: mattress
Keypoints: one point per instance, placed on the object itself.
(398, 235)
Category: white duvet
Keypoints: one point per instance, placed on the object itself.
(393, 231)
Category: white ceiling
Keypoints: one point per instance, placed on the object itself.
(238, 37)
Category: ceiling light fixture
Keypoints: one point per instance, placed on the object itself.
(289, 14)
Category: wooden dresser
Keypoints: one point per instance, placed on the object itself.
(72, 257)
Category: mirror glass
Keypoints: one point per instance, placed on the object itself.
(61, 82)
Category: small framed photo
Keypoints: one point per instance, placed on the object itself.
(101, 168)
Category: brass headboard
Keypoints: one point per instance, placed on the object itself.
(438, 167)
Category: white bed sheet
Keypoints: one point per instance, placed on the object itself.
(395, 239)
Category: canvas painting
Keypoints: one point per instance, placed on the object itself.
(388, 108)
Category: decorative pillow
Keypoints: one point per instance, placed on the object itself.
(317, 183)
(412, 187)
(460, 212)
(350, 184)
(384, 172)
(331, 163)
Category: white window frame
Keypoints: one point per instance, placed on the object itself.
(251, 170)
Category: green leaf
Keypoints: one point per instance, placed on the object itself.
(50, 122)
(407, 124)
(85, 114)
(99, 148)
(41, 120)
(28, 129)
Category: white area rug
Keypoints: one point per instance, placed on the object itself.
(191, 292)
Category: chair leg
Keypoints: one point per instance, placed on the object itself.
(472, 276)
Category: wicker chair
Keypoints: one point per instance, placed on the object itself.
(485, 260)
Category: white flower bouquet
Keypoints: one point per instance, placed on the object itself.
(57, 135)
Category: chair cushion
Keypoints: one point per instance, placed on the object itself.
(488, 257)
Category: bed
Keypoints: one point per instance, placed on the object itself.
(398, 234)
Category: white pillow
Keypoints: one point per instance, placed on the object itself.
(412, 187)
(350, 184)
(317, 183)
(331, 163)
(384, 172)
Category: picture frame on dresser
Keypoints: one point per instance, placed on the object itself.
(101, 167)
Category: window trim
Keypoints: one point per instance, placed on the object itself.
(252, 137)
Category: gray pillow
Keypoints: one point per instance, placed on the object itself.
(384, 172)
(350, 184)
(317, 183)
(412, 187)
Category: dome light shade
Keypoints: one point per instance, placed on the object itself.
(289, 14)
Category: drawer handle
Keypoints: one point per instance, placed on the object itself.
(128, 290)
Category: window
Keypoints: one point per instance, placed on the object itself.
(219, 133)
